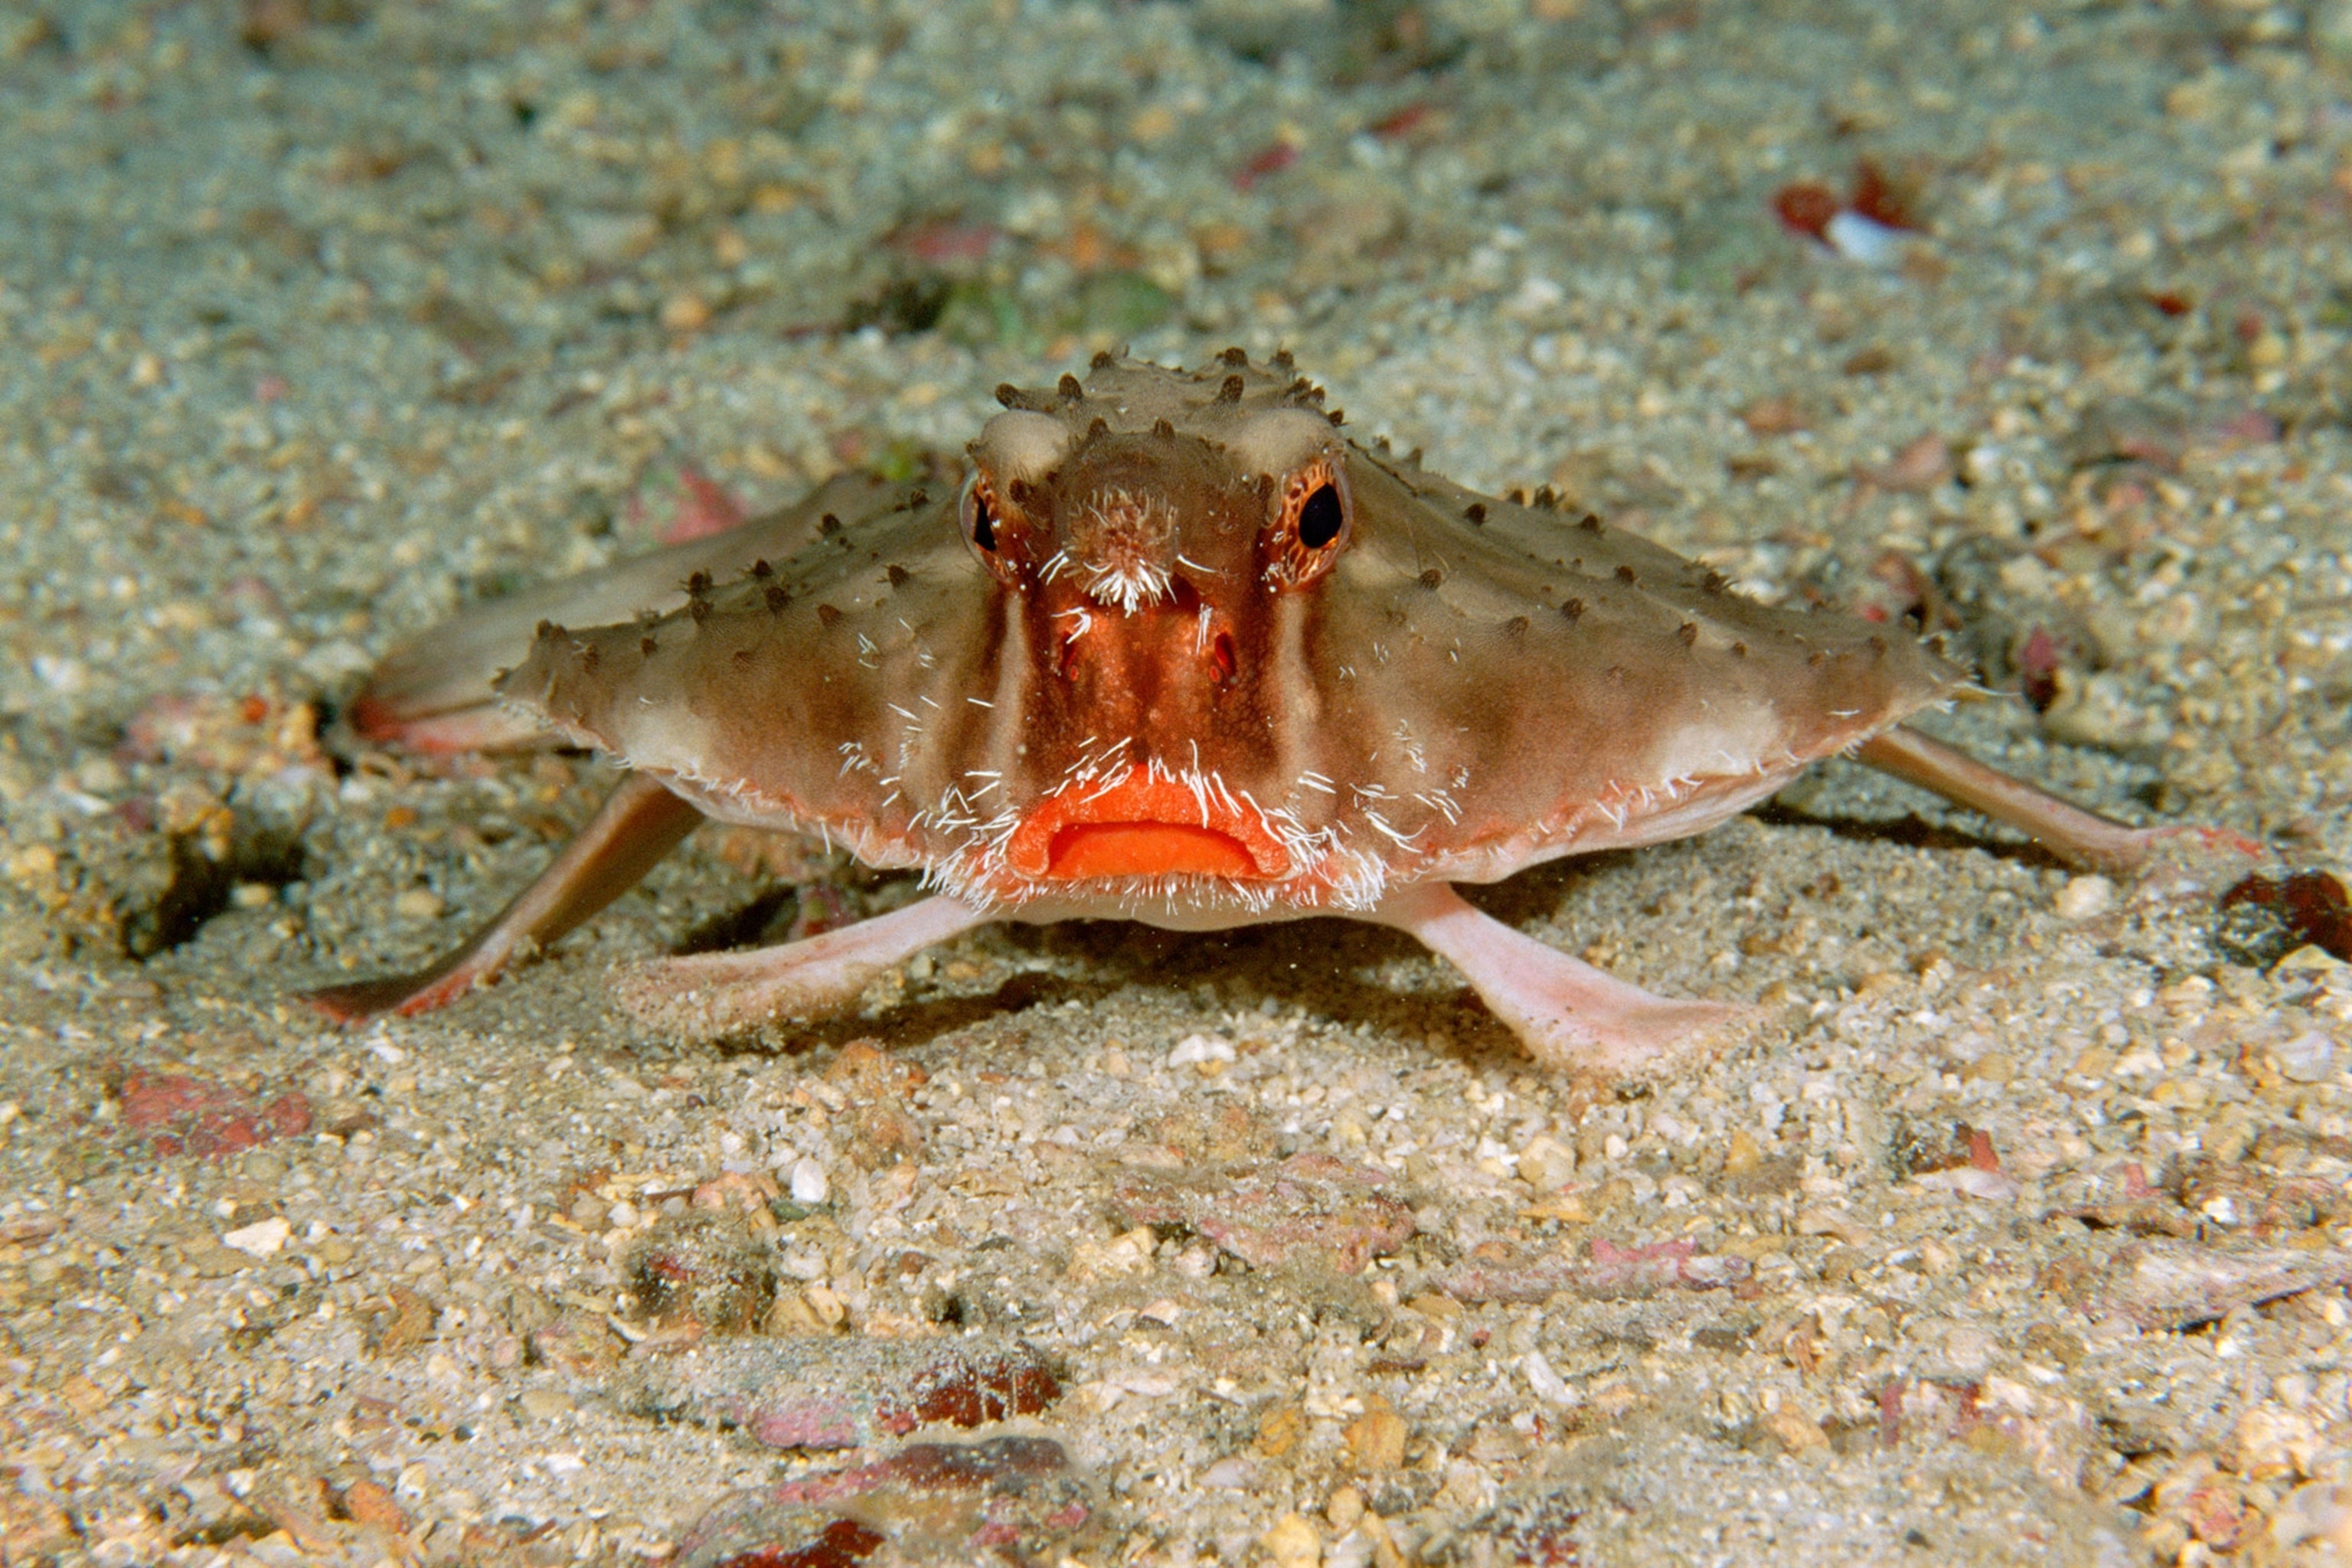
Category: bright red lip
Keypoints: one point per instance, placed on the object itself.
(1147, 825)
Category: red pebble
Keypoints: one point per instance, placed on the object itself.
(968, 1393)
(844, 1543)
(188, 1115)
(1269, 161)
(1890, 1414)
(150, 1100)
(2037, 668)
(1806, 207)
(1876, 198)
(1402, 123)
(2314, 904)
(2217, 1514)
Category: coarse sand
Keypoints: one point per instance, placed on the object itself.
(2014, 1230)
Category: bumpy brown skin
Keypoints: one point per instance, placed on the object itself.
(1179, 652)
(434, 694)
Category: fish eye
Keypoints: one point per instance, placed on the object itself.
(979, 516)
(1320, 517)
(997, 537)
(1309, 527)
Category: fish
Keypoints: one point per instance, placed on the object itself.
(1177, 650)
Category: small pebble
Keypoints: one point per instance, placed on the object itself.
(1969, 1350)
(2086, 898)
(543, 1403)
(2307, 1058)
(685, 312)
(1196, 1050)
(1795, 1431)
(1376, 1439)
(1547, 1163)
(1549, 1387)
(809, 1185)
(417, 904)
(260, 1239)
(1293, 1542)
(1235, 1474)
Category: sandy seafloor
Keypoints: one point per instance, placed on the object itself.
(2013, 1232)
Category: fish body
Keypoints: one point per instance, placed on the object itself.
(1173, 649)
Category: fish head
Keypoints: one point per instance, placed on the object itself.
(1157, 540)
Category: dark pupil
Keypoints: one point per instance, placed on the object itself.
(983, 527)
(1319, 520)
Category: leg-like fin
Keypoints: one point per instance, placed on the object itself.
(641, 822)
(1568, 1013)
(715, 993)
(2079, 837)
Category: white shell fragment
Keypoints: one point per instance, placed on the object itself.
(809, 1185)
(260, 1239)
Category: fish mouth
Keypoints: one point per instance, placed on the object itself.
(1148, 823)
